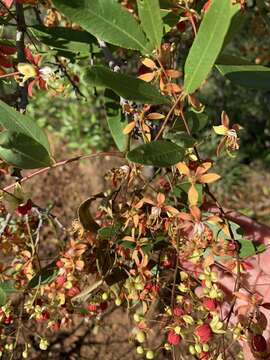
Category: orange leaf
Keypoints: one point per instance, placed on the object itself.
(182, 167)
(147, 77)
(172, 210)
(129, 128)
(239, 295)
(161, 84)
(185, 216)
(225, 119)
(193, 195)
(195, 103)
(195, 212)
(203, 168)
(160, 199)
(149, 63)
(173, 73)
(209, 178)
(155, 116)
(172, 88)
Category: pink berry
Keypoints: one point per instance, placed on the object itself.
(60, 280)
(73, 291)
(210, 304)
(178, 311)
(173, 338)
(92, 307)
(204, 333)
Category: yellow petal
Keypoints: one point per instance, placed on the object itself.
(129, 128)
(220, 130)
(28, 70)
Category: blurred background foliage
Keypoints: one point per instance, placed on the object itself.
(80, 121)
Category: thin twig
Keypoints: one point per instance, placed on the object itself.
(63, 163)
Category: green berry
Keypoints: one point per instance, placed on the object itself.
(140, 337)
(140, 350)
(136, 317)
(118, 302)
(149, 355)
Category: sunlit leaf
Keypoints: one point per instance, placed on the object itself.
(158, 153)
(208, 43)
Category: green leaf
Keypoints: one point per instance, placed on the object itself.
(107, 233)
(208, 43)
(66, 39)
(170, 19)
(6, 288)
(150, 17)
(23, 151)
(12, 120)
(44, 276)
(181, 138)
(3, 297)
(116, 120)
(128, 244)
(125, 86)
(244, 73)
(246, 248)
(238, 21)
(158, 153)
(196, 122)
(107, 20)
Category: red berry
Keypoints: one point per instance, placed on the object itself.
(210, 304)
(204, 333)
(92, 307)
(8, 320)
(73, 291)
(55, 326)
(59, 264)
(178, 311)
(173, 338)
(60, 280)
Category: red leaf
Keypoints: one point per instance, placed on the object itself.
(5, 61)
(266, 306)
(7, 50)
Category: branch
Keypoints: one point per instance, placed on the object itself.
(21, 30)
(63, 163)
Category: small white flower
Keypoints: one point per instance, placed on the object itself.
(46, 73)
